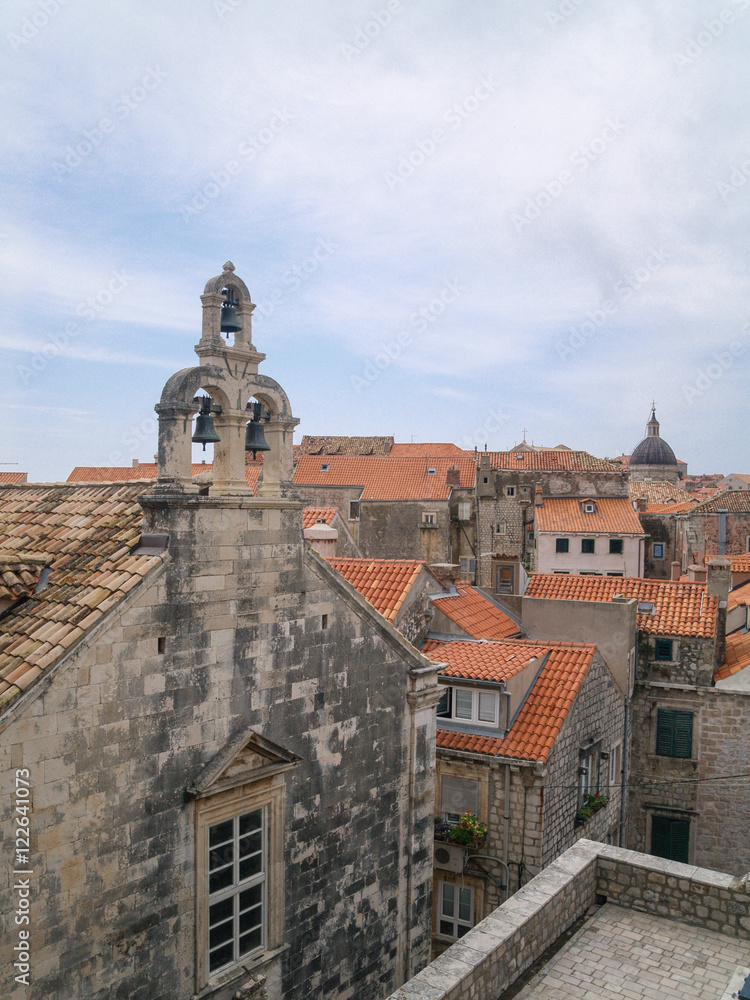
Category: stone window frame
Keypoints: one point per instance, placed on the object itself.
(510, 491)
(658, 658)
(266, 793)
(467, 772)
(467, 881)
(663, 724)
(429, 517)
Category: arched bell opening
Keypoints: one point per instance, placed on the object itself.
(230, 319)
(255, 438)
(213, 433)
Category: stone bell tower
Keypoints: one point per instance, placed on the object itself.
(229, 374)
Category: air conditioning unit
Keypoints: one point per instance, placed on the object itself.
(450, 857)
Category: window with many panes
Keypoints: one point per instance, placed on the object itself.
(674, 733)
(236, 888)
(464, 704)
(561, 544)
(456, 909)
(670, 838)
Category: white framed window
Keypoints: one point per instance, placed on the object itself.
(589, 508)
(585, 776)
(501, 527)
(324, 467)
(431, 471)
(354, 510)
(456, 909)
(468, 565)
(464, 510)
(510, 491)
(429, 517)
(615, 764)
(237, 895)
(465, 704)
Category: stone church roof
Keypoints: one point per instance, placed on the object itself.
(653, 449)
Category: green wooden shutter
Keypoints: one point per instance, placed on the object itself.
(674, 733)
(660, 836)
(665, 733)
(670, 838)
(683, 734)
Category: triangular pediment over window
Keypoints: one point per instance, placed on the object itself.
(246, 757)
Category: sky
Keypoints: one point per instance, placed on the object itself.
(459, 222)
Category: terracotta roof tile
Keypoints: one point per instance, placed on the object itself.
(739, 596)
(668, 508)
(534, 731)
(147, 471)
(737, 655)
(679, 608)
(76, 531)
(734, 501)
(341, 445)
(550, 461)
(613, 515)
(13, 477)
(476, 614)
(314, 515)
(384, 477)
(658, 492)
(385, 583)
(438, 450)
(739, 563)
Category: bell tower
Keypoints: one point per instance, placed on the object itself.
(228, 373)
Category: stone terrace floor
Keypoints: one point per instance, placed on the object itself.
(626, 955)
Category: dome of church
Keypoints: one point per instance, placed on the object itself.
(653, 450)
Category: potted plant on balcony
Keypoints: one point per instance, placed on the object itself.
(469, 831)
(591, 803)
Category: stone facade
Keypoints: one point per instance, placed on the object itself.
(661, 530)
(244, 674)
(543, 798)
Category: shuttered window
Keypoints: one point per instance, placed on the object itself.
(674, 733)
(670, 838)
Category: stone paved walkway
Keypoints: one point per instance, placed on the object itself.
(625, 955)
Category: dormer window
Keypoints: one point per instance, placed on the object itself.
(431, 472)
(646, 607)
(589, 508)
(470, 705)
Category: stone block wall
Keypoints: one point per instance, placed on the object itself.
(393, 529)
(492, 955)
(692, 662)
(128, 723)
(696, 788)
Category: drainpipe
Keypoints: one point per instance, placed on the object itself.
(506, 818)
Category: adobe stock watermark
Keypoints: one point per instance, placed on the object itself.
(145, 431)
(581, 159)
(88, 309)
(367, 32)
(294, 276)
(36, 22)
(420, 321)
(91, 139)
(564, 10)
(710, 30)
(247, 151)
(716, 369)
(455, 116)
(623, 290)
(738, 178)
(224, 7)
(493, 422)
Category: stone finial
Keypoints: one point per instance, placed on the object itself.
(229, 266)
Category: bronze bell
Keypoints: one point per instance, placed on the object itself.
(205, 432)
(255, 439)
(230, 322)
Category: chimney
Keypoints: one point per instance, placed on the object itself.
(453, 476)
(718, 579)
(675, 575)
(322, 538)
(640, 504)
(135, 463)
(538, 499)
(485, 484)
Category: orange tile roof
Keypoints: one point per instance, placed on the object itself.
(538, 724)
(314, 515)
(13, 477)
(679, 608)
(739, 563)
(657, 492)
(385, 583)
(668, 508)
(148, 470)
(737, 655)
(614, 516)
(383, 477)
(19, 574)
(341, 445)
(550, 461)
(430, 644)
(85, 534)
(476, 614)
(739, 596)
(734, 501)
(439, 450)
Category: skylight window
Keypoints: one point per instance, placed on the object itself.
(646, 607)
(325, 467)
(431, 472)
